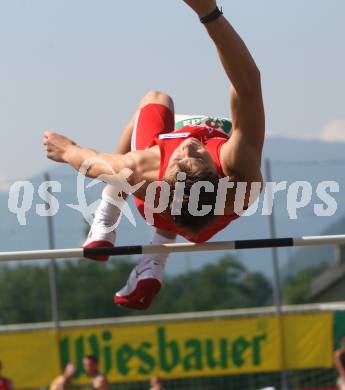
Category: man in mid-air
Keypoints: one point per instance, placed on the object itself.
(193, 155)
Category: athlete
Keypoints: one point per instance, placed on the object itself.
(193, 156)
(5, 383)
(99, 380)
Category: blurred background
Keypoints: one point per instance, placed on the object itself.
(80, 68)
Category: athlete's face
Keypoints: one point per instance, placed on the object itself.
(191, 155)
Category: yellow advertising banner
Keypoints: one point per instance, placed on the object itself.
(204, 348)
(31, 359)
(172, 349)
(177, 350)
(308, 340)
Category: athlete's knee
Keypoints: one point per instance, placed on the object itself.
(157, 97)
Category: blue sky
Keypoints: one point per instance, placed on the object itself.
(79, 67)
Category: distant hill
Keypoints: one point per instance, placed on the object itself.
(292, 160)
(290, 149)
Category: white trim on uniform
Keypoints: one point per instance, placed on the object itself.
(134, 133)
(173, 135)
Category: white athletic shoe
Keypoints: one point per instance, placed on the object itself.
(142, 286)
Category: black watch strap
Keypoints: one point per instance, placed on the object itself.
(212, 16)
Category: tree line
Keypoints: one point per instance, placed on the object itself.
(86, 289)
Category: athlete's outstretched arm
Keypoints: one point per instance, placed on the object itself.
(243, 151)
(61, 149)
(236, 58)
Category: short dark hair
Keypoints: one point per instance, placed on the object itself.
(93, 358)
(186, 220)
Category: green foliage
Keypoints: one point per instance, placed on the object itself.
(24, 294)
(297, 288)
(86, 290)
(224, 285)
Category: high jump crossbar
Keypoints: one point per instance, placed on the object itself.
(173, 248)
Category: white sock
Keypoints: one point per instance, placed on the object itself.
(107, 213)
(159, 259)
(106, 219)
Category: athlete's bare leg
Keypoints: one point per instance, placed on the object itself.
(146, 279)
(124, 145)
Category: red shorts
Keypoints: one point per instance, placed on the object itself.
(152, 120)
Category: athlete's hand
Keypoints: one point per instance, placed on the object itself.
(57, 146)
(202, 7)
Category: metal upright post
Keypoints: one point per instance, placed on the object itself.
(52, 268)
(276, 281)
(275, 257)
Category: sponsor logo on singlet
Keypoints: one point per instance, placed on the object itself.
(219, 124)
